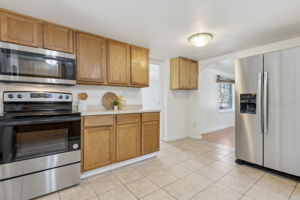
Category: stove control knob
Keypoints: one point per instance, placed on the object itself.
(75, 146)
(67, 97)
(20, 96)
(60, 96)
(10, 96)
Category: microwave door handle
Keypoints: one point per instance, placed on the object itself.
(259, 103)
(265, 104)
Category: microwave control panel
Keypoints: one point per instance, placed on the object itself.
(248, 103)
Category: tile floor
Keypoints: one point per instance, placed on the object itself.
(184, 169)
(225, 136)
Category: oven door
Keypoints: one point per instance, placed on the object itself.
(26, 65)
(33, 137)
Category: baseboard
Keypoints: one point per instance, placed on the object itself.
(116, 165)
(216, 129)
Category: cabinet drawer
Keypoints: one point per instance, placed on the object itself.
(98, 120)
(128, 118)
(147, 117)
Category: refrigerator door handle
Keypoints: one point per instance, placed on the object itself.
(265, 104)
(259, 103)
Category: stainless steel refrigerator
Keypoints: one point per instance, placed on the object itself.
(268, 110)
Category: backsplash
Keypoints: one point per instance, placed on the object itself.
(132, 95)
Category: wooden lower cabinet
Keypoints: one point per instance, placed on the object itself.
(128, 139)
(107, 139)
(98, 148)
(150, 137)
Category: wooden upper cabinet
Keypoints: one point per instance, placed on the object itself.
(58, 38)
(118, 63)
(91, 59)
(21, 30)
(139, 66)
(183, 74)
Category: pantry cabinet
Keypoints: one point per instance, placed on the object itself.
(118, 63)
(21, 30)
(58, 38)
(183, 74)
(91, 59)
(113, 138)
(139, 66)
(98, 141)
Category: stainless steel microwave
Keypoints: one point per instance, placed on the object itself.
(25, 64)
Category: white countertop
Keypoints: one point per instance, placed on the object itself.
(97, 110)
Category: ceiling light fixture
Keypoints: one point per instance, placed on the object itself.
(200, 39)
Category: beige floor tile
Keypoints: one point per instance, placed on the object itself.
(214, 155)
(181, 190)
(218, 192)
(142, 187)
(211, 173)
(178, 171)
(222, 166)
(52, 196)
(83, 191)
(180, 141)
(119, 193)
(144, 162)
(159, 195)
(240, 184)
(193, 164)
(197, 181)
(277, 184)
(163, 163)
(296, 193)
(246, 198)
(250, 172)
(205, 160)
(259, 193)
(148, 169)
(127, 174)
(162, 178)
(105, 184)
(180, 157)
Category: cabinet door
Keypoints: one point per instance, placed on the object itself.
(58, 38)
(118, 63)
(128, 141)
(150, 137)
(98, 147)
(139, 66)
(91, 59)
(193, 74)
(184, 73)
(21, 30)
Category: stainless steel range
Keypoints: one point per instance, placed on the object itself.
(39, 144)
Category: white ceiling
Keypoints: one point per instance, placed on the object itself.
(227, 66)
(164, 25)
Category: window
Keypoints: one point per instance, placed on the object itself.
(225, 96)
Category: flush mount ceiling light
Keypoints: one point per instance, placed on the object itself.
(200, 39)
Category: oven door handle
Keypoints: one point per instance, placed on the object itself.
(39, 121)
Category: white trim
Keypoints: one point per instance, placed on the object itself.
(116, 165)
(216, 128)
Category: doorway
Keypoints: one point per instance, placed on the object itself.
(217, 83)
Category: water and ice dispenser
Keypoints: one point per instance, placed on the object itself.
(248, 103)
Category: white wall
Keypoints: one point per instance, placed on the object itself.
(175, 108)
(132, 95)
(195, 126)
(212, 119)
